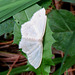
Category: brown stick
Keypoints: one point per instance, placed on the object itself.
(13, 65)
(6, 46)
(7, 54)
(20, 64)
(70, 70)
(48, 10)
(57, 4)
(12, 59)
(4, 43)
(72, 9)
(55, 51)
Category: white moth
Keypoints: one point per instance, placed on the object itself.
(32, 36)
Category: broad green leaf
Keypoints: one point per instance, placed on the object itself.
(71, 42)
(24, 16)
(62, 23)
(63, 26)
(45, 3)
(69, 62)
(71, 1)
(21, 18)
(44, 69)
(9, 8)
(7, 26)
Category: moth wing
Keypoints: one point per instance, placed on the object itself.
(33, 50)
(39, 21)
(32, 34)
(28, 31)
(35, 28)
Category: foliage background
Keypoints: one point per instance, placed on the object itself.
(60, 32)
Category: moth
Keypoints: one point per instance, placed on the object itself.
(32, 36)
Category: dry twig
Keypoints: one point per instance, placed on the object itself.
(4, 43)
(13, 65)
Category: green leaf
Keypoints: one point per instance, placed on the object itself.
(48, 41)
(71, 42)
(66, 65)
(62, 23)
(7, 26)
(71, 1)
(21, 18)
(57, 60)
(45, 3)
(44, 69)
(9, 8)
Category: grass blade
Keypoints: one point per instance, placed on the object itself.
(15, 9)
